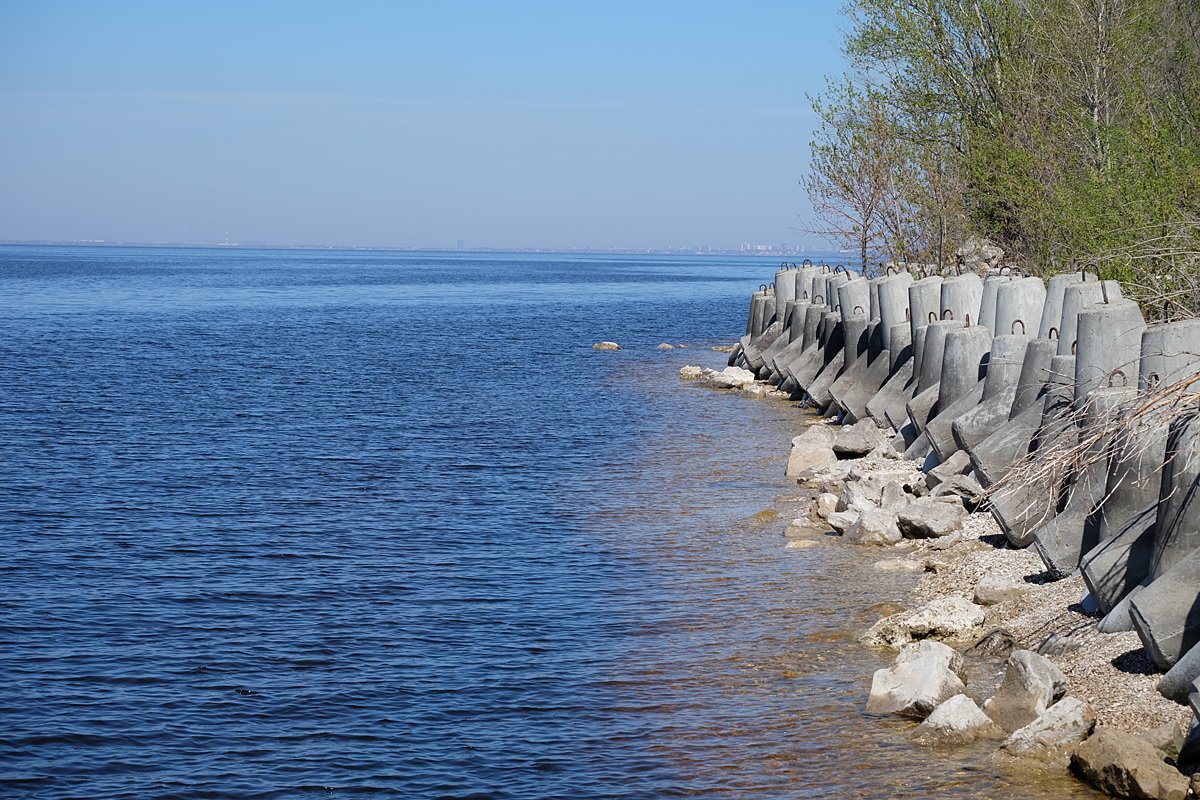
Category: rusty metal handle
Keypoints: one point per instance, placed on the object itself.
(819, 298)
(946, 311)
(933, 316)
(1012, 329)
(1115, 373)
(859, 310)
(1073, 345)
(907, 314)
(967, 320)
(1153, 380)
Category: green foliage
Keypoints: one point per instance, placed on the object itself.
(1063, 129)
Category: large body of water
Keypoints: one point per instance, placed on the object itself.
(331, 525)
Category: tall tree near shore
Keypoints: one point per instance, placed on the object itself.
(855, 172)
(1062, 128)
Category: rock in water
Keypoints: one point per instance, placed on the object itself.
(927, 518)
(665, 346)
(690, 372)
(1031, 684)
(1124, 765)
(731, 378)
(1067, 722)
(811, 451)
(956, 721)
(606, 346)
(924, 675)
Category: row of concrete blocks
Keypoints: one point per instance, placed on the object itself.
(983, 374)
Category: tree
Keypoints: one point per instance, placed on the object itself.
(856, 171)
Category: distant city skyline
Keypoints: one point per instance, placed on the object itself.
(531, 125)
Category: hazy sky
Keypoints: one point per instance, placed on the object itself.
(504, 124)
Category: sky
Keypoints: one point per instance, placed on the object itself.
(402, 124)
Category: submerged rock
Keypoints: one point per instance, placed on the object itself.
(1123, 765)
(690, 372)
(665, 346)
(606, 346)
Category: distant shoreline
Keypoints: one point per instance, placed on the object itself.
(829, 255)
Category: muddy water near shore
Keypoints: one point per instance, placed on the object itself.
(748, 668)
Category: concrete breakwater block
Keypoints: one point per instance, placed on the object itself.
(1119, 564)
(1063, 541)
(1108, 347)
(1052, 310)
(960, 297)
(1019, 305)
(1177, 533)
(1166, 613)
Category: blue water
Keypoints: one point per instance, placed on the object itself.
(343, 524)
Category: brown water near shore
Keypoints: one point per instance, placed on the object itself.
(749, 675)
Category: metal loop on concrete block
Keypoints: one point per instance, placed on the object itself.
(1013, 328)
(1052, 333)
(1115, 373)
(967, 320)
(859, 310)
(933, 316)
(806, 262)
(1074, 344)
(946, 311)
(1153, 380)
(819, 298)
(1002, 272)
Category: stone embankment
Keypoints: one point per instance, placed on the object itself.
(982, 429)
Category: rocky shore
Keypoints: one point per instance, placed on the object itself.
(989, 646)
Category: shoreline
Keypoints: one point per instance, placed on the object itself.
(1109, 672)
(980, 430)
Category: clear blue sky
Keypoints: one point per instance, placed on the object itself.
(505, 124)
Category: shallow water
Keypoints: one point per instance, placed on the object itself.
(283, 524)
